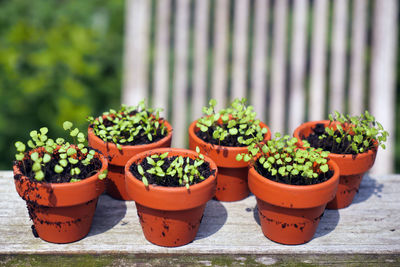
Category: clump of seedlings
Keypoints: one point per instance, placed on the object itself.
(173, 171)
(130, 125)
(234, 126)
(349, 135)
(280, 160)
(57, 161)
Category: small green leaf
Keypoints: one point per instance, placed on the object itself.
(74, 132)
(324, 168)
(67, 125)
(46, 158)
(35, 156)
(58, 169)
(39, 176)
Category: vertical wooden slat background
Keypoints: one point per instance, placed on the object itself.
(357, 76)
(298, 64)
(240, 26)
(136, 49)
(277, 112)
(160, 90)
(259, 60)
(318, 60)
(383, 64)
(308, 58)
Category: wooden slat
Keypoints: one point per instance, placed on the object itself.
(179, 106)
(370, 225)
(278, 107)
(298, 64)
(219, 84)
(356, 94)
(383, 67)
(200, 57)
(259, 61)
(240, 29)
(318, 60)
(137, 21)
(160, 91)
(338, 56)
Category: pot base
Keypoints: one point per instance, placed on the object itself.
(232, 184)
(288, 226)
(170, 228)
(347, 189)
(115, 186)
(62, 224)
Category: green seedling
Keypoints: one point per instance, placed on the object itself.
(62, 151)
(282, 158)
(362, 132)
(127, 124)
(180, 168)
(238, 120)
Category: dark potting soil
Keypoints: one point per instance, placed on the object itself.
(141, 138)
(295, 180)
(328, 143)
(167, 180)
(50, 176)
(230, 140)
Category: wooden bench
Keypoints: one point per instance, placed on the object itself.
(368, 230)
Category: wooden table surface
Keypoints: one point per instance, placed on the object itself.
(371, 225)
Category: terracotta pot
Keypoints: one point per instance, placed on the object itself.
(117, 159)
(289, 214)
(352, 168)
(61, 212)
(232, 174)
(170, 216)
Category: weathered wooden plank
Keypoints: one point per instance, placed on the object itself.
(357, 67)
(161, 62)
(383, 67)
(259, 68)
(369, 226)
(179, 105)
(277, 106)
(338, 58)
(318, 60)
(200, 57)
(240, 29)
(219, 83)
(137, 21)
(298, 64)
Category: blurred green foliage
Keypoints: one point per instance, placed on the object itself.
(59, 60)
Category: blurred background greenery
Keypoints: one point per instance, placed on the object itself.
(59, 60)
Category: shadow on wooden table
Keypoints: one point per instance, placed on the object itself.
(215, 216)
(369, 187)
(109, 213)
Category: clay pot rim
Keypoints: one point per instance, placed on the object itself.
(310, 124)
(233, 149)
(149, 146)
(300, 188)
(166, 189)
(61, 186)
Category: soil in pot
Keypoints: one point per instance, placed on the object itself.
(169, 213)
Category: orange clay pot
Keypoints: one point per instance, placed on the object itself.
(352, 168)
(232, 174)
(117, 159)
(289, 214)
(61, 213)
(170, 216)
